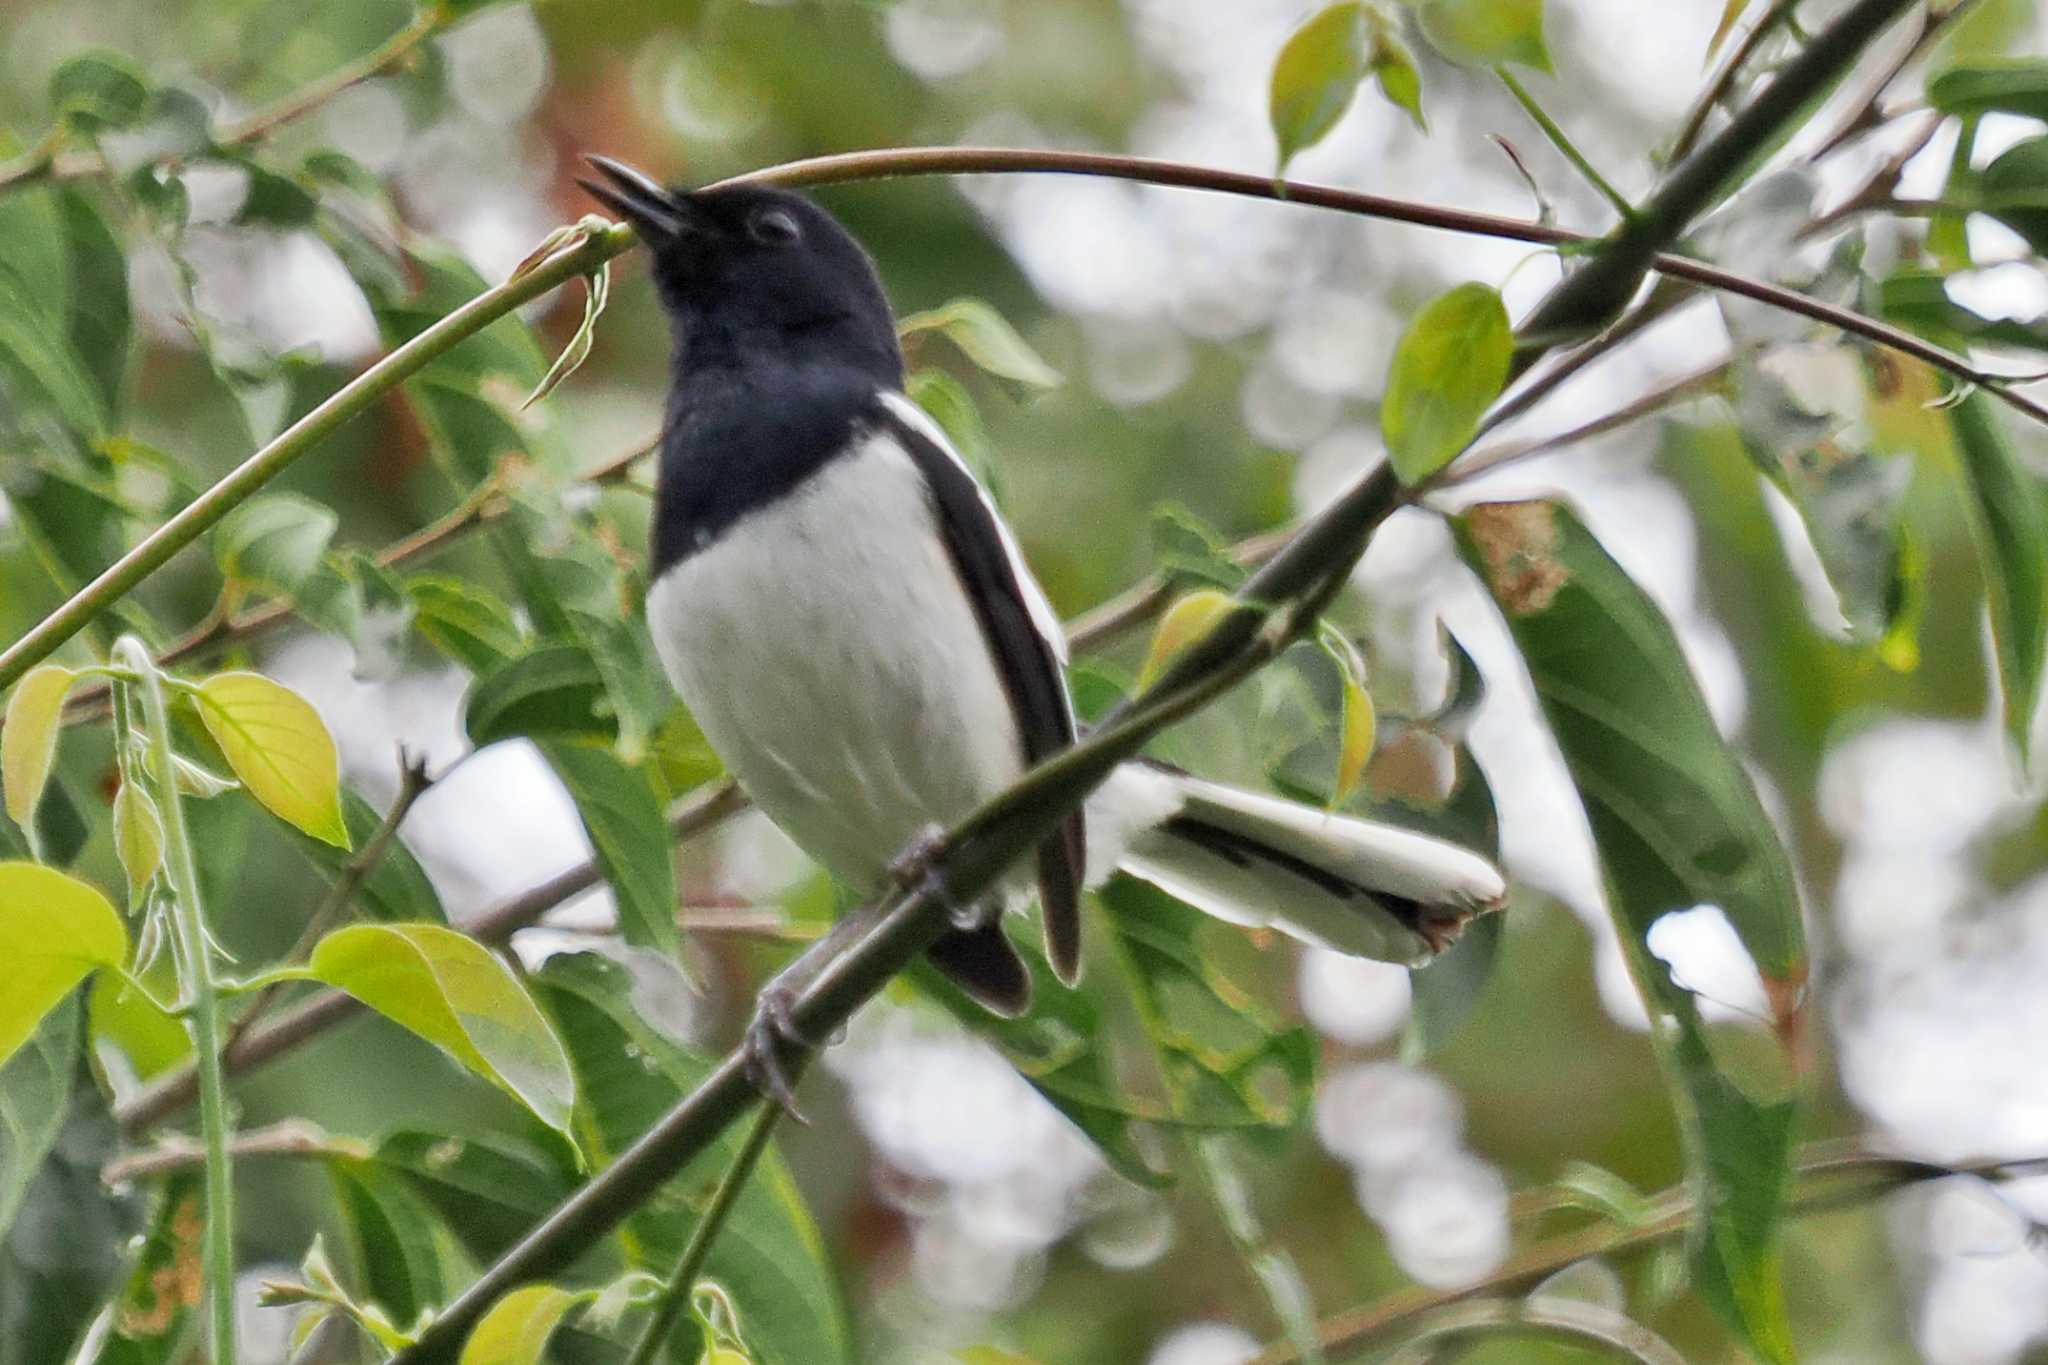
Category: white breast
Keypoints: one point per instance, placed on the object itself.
(827, 649)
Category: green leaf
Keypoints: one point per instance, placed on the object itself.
(469, 625)
(43, 374)
(2011, 525)
(63, 1255)
(270, 199)
(682, 758)
(1055, 1048)
(1487, 32)
(1678, 824)
(516, 1330)
(1393, 66)
(768, 1256)
(1316, 77)
(57, 931)
(1444, 991)
(634, 851)
(28, 738)
(597, 289)
(100, 320)
(96, 90)
(554, 692)
(397, 887)
(152, 1040)
(138, 838)
(952, 407)
(401, 1251)
(1228, 1062)
(274, 541)
(1448, 369)
(279, 749)
(35, 1095)
(985, 337)
(1222, 1166)
(2014, 85)
(489, 1190)
(453, 992)
(2014, 189)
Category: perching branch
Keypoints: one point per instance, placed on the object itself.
(1830, 1177)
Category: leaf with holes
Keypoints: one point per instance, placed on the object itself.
(58, 930)
(452, 991)
(1678, 824)
(279, 748)
(1449, 367)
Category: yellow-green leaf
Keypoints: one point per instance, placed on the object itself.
(138, 837)
(516, 1330)
(1185, 622)
(1360, 720)
(56, 930)
(1487, 32)
(451, 991)
(279, 748)
(28, 744)
(1447, 371)
(1730, 12)
(990, 1355)
(1316, 77)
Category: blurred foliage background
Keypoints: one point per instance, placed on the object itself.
(1222, 360)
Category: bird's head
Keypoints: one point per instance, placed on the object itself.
(754, 265)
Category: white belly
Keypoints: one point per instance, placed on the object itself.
(827, 649)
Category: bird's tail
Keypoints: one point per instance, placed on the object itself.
(1358, 886)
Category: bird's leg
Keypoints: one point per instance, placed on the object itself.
(910, 868)
(773, 1027)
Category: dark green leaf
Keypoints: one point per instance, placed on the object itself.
(401, 1255)
(2014, 189)
(396, 888)
(100, 323)
(274, 541)
(63, 1254)
(273, 200)
(624, 821)
(554, 692)
(2007, 512)
(1445, 990)
(768, 1256)
(1678, 825)
(1316, 77)
(1228, 1063)
(2006, 86)
(39, 369)
(35, 1094)
(985, 337)
(1487, 32)
(468, 624)
(489, 1190)
(635, 696)
(96, 90)
(1056, 1048)
(1448, 369)
(1190, 551)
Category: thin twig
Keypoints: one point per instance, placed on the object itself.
(1831, 1176)
(44, 165)
(675, 1296)
(1717, 89)
(290, 1137)
(1562, 141)
(171, 1093)
(1871, 115)
(1699, 383)
(412, 784)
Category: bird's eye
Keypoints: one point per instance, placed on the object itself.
(774, 227)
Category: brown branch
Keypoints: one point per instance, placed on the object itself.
(1701, 382)
(290, 1137)
(1831, 1176)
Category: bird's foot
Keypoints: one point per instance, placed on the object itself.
(769, 1034)
(911, 869)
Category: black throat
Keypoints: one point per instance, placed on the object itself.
(749, 420)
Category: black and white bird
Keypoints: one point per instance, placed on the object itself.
(849, 620)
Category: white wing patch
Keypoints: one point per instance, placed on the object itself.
(1043, 617)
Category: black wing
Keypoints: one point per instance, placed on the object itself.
(1024, 640)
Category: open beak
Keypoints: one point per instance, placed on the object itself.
(639, 199)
